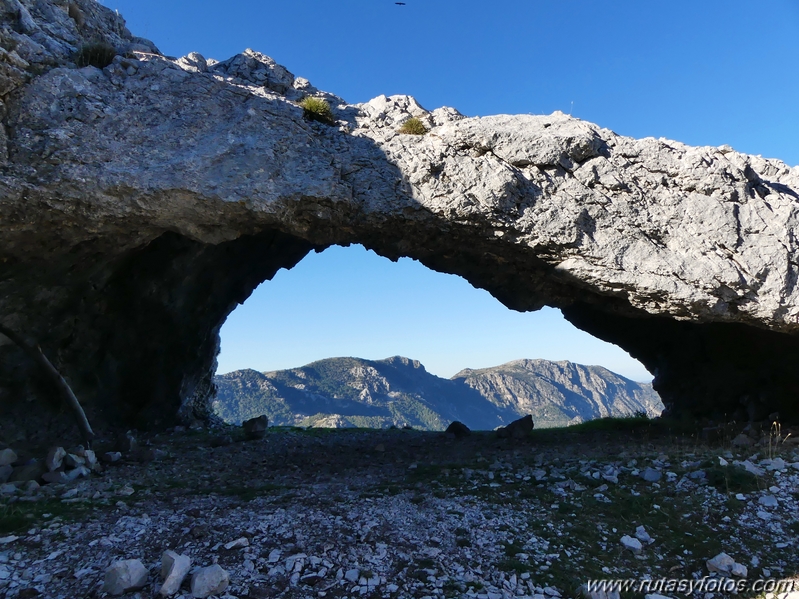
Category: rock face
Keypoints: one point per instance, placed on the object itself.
(560, 393)
(141, 202)
(341, 392)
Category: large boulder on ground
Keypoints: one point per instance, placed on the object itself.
(255, 428)
(123, 264)
(125, 575)
(518, 429)
(458, 429)
(174, 568)
(212, 580)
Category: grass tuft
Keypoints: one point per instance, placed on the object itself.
(413, 126)
(95, 54)
(317, 109)
(731, 479)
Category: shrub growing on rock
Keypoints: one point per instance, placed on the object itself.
(95, 54)
(317, 109)
(413, 126)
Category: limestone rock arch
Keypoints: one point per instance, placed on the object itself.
(141, 202)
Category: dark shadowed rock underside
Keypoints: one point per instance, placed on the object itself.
(141, 202)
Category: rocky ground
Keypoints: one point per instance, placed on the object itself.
(400, 513)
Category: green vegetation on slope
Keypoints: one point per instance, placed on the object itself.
(351, 392)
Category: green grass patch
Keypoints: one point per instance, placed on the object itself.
(249, 493)
(317, 109)
(95, 54)
(413, 126)
(512, 548)
(732, 479)
(512, 564)
(19, 517)
(632, 423)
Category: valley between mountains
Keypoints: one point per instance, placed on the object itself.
(397, 391)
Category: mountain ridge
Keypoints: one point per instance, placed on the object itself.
(399, 391)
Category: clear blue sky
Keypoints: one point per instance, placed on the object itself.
(704, 73)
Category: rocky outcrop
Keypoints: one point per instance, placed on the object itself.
(560, 393)
(142, 201)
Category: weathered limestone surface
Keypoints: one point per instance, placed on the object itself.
(140, 203)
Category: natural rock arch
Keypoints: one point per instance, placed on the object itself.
(141, 202)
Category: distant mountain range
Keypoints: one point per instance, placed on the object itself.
(345, 392)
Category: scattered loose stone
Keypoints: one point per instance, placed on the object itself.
(73, 461)
(79, 472)
(295, 546)
(750, 467)
(112, 456)
(632, 544)
(724, 564)
(174, 568)
(126, 442)
(238, 543)
(651, 475)
(352, 575)
(768, 501)
(643, 536)
(774, 464)
(5, 473)
(208, 581)
(91, 460)
(55, 458)
(125, 575)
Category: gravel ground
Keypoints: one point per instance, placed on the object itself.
(395, 513)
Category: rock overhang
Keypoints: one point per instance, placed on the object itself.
(650, 243)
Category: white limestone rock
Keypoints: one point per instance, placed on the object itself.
(540, 210)
(724, 564)
(55, 457)
(768, 501)
(174, 568)
(643, 536)
(238, 543)
(125, 575)
(112, 456)
(211, 580)
(651, 475)
(632, 544)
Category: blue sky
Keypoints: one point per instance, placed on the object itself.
(704, 73)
